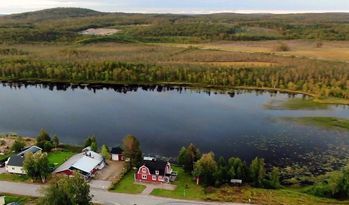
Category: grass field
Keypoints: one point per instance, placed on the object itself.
(186, 188)
(268, 197)
(127, 185)
(244, 194)
(14, 177)
(10, 198)
(330, 50)
(59, 157)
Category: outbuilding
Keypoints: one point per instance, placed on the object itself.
(117, 154)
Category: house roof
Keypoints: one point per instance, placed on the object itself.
(15, 160)
(116, 150)
(85, 162)
(155, 165)
(32, 149)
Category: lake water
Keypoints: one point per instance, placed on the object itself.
(165, 119)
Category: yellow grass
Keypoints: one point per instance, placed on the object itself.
(331, 50)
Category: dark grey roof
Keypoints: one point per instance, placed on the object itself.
(16, 160)
(116, 150)
(32, 149)
(155, 165)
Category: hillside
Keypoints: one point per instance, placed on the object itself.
(64, 24)
(55, 13)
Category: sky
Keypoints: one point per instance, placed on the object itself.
(181, 6)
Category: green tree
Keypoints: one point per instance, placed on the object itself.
(105, 152)
(36, 166)
(188, 156)
(273, 181)
(221, 174)
(90, 140)
(237, 169)
(132, 150)
(205, 168)
(94, 146)
(43, 140)
(257, 171)
(68, 191)
(18, 145)
(55, 141)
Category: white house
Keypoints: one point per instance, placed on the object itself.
(14, 164)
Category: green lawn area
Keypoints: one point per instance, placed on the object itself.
(289, 196)
(13, 177)
(244, 194)
(127, 185)
(59, 157)
(9, 198)
(184, 179)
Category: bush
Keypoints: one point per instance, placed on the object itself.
(282, 47)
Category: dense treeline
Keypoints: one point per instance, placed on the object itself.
(211, 172)
(64, 24)
(316, 79)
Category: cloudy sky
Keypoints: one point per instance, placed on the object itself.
(181, 6)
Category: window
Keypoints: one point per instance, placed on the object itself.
(153, 177)
(144, 170)
(144, 176)
(157, 172)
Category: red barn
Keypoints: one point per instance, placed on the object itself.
(154, 171)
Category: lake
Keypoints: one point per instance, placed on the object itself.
(167, 118)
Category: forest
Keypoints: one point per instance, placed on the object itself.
(165, 49)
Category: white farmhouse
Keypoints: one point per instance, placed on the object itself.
(14, 164)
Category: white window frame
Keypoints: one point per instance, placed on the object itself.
(157, 172)
(153, 177)
(144, 176)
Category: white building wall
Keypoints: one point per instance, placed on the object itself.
(15, 169)
(115, 157)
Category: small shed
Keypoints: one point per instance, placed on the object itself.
(117, 154)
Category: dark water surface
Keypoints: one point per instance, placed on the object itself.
(166, 119)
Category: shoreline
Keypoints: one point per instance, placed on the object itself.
(111, 84)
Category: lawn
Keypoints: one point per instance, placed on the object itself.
(268, 197)
(9, 198)
(243, 194)
(127, 185)
(13, 177)
(186, 188)
(59, 157)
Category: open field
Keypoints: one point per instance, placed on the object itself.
(127, 185)
(244, 194)
(23, 200)
(186, 188)
(57, 158)
(329, 50)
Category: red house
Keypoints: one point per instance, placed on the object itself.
(154, 171)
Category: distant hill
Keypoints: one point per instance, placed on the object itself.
(66, 24)
(55, 13)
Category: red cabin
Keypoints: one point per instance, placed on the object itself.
(154, 171)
